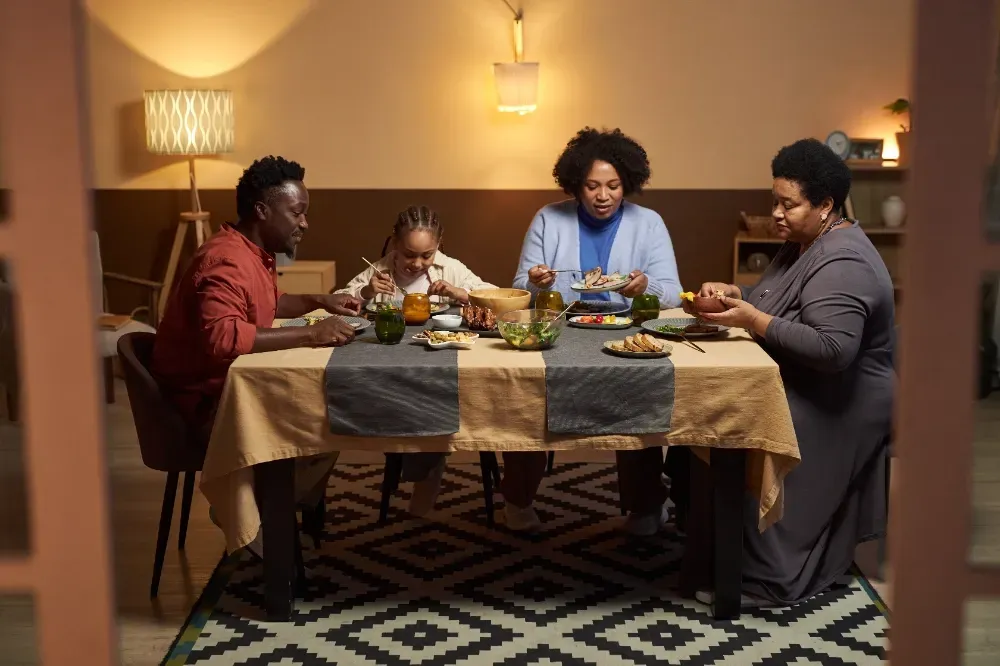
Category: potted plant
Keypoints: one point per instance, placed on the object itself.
(901, 107)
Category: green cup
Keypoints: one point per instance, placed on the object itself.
(645, 307)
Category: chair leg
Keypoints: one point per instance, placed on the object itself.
(390, 483)
(485, 460)
(300, 564)
(12, 404)
(109, 380)
(186, 497)
(552, 461)
(166, 512)
(495, 469)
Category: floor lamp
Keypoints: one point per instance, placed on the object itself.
(190, 123)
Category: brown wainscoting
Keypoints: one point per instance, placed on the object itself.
(483, 228)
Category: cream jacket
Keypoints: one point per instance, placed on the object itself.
(452, 271)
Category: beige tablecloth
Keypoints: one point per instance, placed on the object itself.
(273, 407)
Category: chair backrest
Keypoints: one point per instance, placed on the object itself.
(163, 437)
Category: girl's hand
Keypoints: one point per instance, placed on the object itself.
(380, 283)
(541, 276)
(442, 288)
(637, 285)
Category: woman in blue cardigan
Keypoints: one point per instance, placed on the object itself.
(597, 227)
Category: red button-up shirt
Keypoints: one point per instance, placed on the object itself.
(228, 291)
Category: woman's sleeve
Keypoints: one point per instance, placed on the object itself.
(661, 268)
(358, 283)
(836, 300)
(532, 253)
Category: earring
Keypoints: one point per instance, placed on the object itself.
(823, 217)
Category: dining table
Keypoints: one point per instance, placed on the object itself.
(729, 408)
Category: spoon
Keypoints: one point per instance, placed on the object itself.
(558, 317)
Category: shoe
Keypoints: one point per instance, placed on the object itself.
(747, 602)
(521, 519)
(425, 492)
(647, 524)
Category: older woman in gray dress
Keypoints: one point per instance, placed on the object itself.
(824, 311)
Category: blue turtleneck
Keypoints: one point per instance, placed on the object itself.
(596, 238)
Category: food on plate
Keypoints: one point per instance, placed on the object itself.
(437, 337)
(690, 328)
(594, 278)
(313, 320)
(609, 320)
(479, 319)
(640, 343)
(588, 307)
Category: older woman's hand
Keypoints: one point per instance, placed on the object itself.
(739, 315)
(541, 276)
(711, 288)
(638, 282)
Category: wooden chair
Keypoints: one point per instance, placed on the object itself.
(164, 440)
(9, 378)
(108, 339)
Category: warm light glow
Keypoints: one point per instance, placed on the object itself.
(890, 149)
(189, 122)
(517, 86)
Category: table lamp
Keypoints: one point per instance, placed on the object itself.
(191, 123)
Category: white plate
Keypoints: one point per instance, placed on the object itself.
(621, 323)
(610, 286)
(631, 354)
(422, 339)
(359, 324)
(437, 307)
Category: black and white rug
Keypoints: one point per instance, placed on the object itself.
(451, 591)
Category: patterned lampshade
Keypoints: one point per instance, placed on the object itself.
(189, 122)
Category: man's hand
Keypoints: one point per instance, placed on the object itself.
(341, 304)
(541, 276)
(331, 332)
(638, 282)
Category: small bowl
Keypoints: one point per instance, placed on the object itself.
(709, 304)
(447, 322)
(500, 301)
(521, 328)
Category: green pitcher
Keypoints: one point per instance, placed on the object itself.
(645, 307)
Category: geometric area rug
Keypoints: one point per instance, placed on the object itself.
(449, 591)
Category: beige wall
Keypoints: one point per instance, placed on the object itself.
(399, 93)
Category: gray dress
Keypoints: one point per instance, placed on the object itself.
(832, 338)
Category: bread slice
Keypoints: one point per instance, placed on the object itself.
(618, 345)
(632, 345)
(652, 343)
(592, 276)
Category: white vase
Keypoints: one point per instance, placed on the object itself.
(893, 211)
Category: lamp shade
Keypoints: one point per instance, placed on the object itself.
(517, 86)
(189, 122)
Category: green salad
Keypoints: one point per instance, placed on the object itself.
(670, 330)
(536, 334)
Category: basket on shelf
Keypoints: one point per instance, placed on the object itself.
(759, 226)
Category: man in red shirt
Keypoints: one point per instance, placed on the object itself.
(225, 304)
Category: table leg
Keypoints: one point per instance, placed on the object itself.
(275, 484)
(728, 470)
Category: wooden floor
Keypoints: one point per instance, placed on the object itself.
(147, 628)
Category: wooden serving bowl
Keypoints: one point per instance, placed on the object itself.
(708, 304)
(500, 301)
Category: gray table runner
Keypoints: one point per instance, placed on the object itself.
(590, 392)
(404, 390)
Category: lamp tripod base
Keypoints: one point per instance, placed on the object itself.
(202, 230)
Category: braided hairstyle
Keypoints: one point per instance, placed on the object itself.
(415, 218)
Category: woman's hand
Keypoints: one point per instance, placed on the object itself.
(541, 276)
(739, 315)
(638, 282)
(380, 283)
(709, 290)
(442, 288)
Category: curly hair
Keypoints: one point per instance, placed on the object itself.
(260, 180)
(818, 171)
(612, 146)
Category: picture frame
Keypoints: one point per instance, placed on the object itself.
(866, 151)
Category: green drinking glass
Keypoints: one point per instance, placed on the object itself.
(645, 307)
(389, 324)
